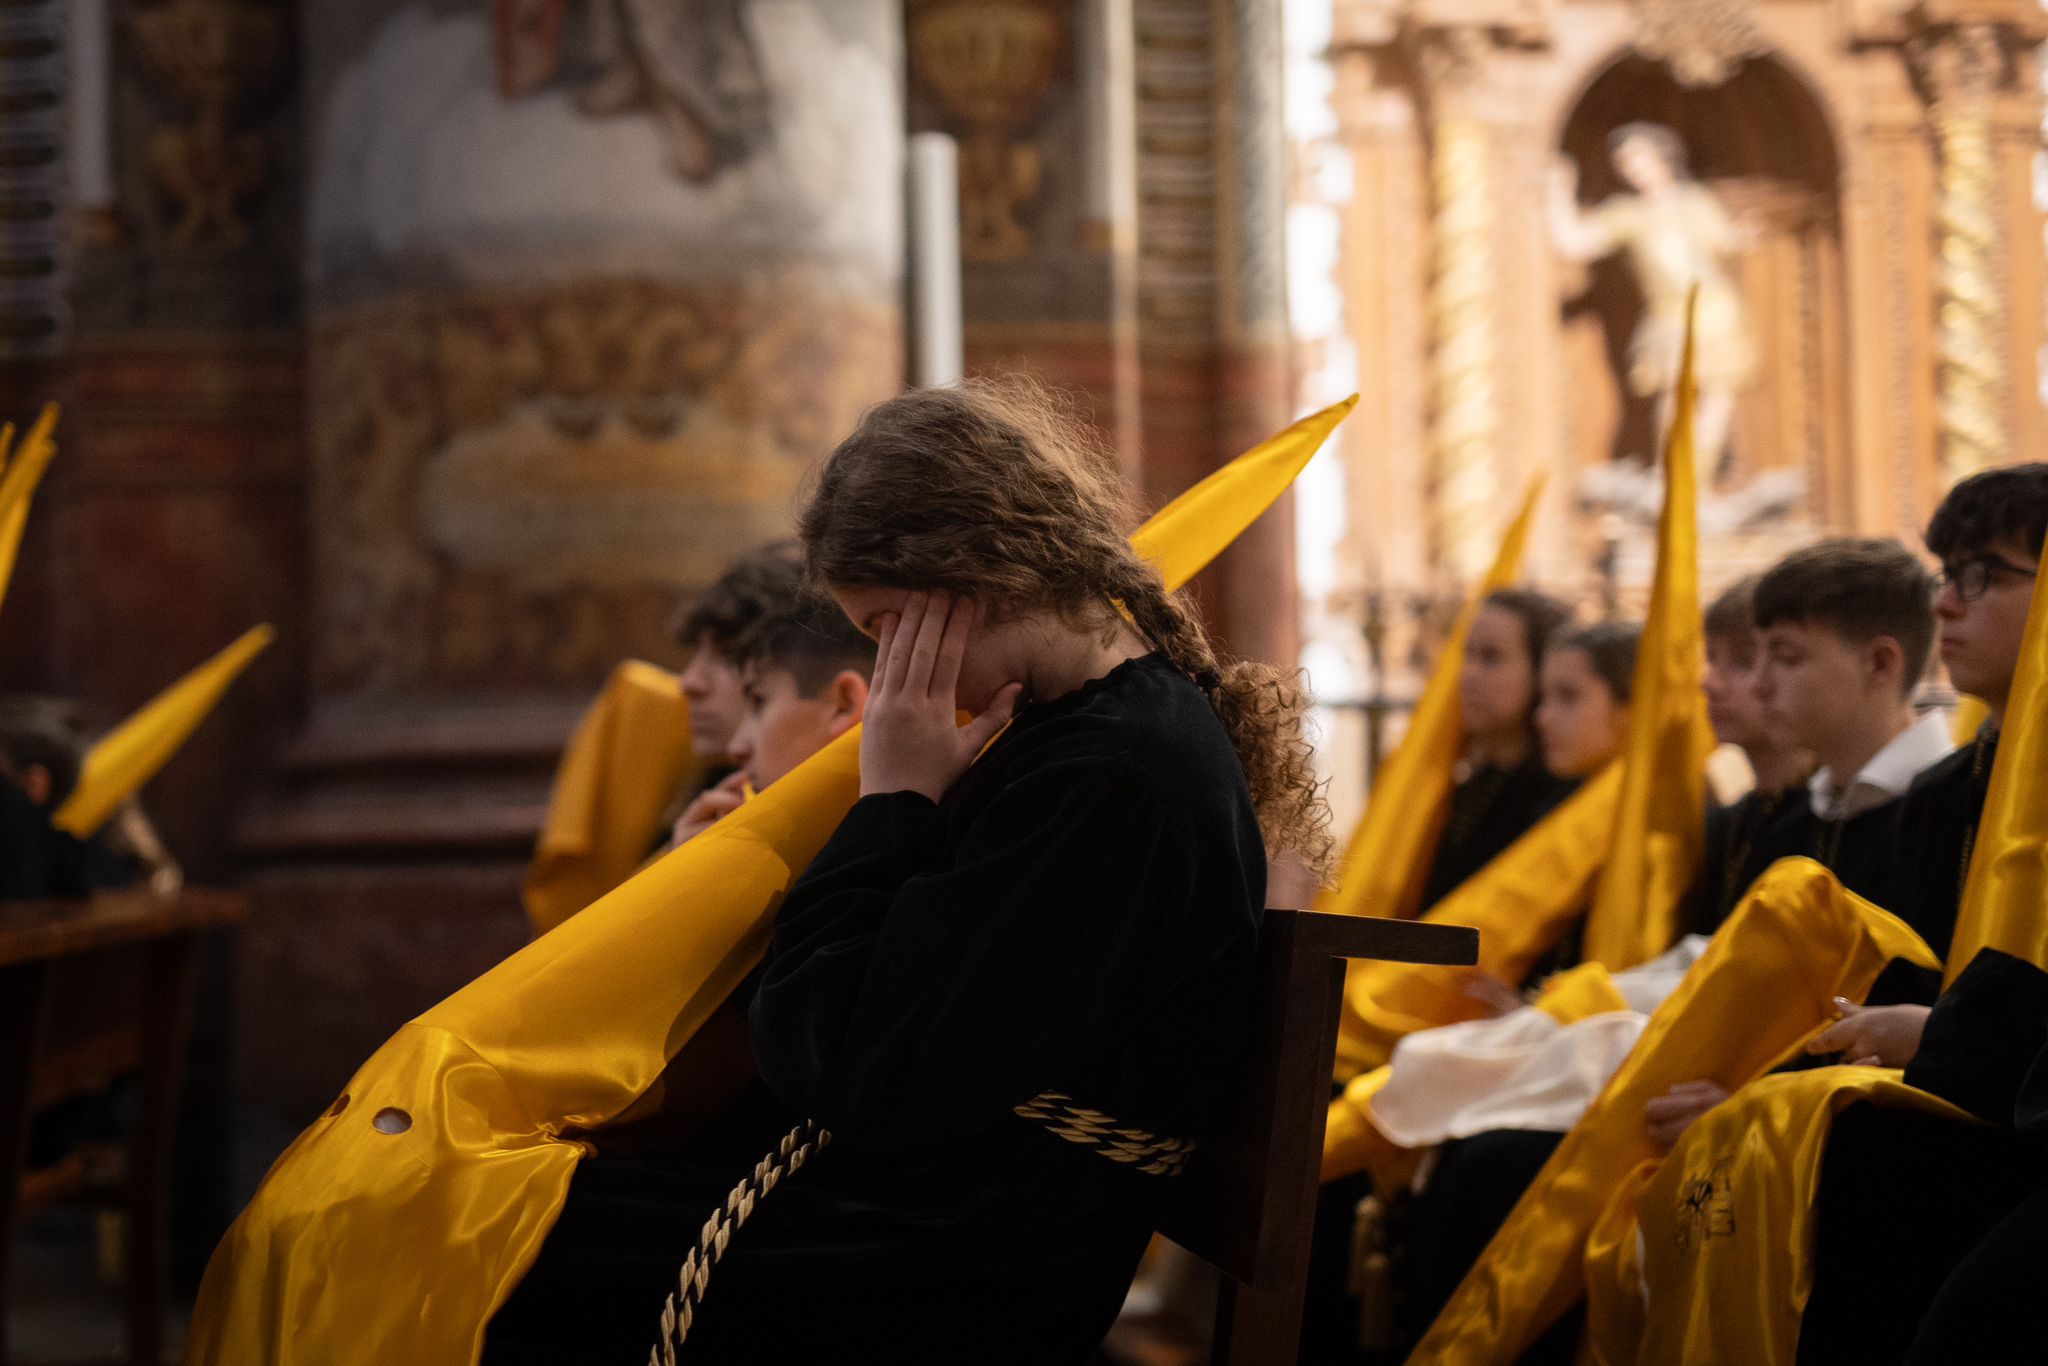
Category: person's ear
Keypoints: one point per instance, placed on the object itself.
(37, 782)
(1886, 661)
(849, 701)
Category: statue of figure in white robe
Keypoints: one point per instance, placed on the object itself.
(1674, 235)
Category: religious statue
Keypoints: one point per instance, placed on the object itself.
(1674, 234)
(692, 63)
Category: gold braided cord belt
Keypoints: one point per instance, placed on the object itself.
(1058, 1114)
(680, 1310)
(1140, 1149)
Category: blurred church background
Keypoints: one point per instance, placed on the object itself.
(457, 340)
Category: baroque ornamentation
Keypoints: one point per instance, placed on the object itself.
(1702, 41)
(990, 63)
(1963, 69)
(514, 485)
(1464, 397)
(215, 57)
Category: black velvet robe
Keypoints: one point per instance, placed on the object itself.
(1904, 1196)
(1935, 829)
(1991, 1300)
(1079, 915)
(1744, 838)
(39, 860)
(1490, 810)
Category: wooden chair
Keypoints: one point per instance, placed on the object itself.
(1247, 1201)
(91, 991)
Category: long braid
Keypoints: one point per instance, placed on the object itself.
(1262, 709)
(1000, 491)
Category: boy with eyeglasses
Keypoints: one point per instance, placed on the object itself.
(1884, 1240)
(1987, 534)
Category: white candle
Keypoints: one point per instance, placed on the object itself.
(935, 259)
(90, 152)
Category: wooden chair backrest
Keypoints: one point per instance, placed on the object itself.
(1246, 1203)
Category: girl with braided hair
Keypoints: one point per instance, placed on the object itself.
(999, 1005)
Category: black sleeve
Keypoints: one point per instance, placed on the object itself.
(1701, 909)
(24, 852)
(1983, 1035)
(908, 996)
(81, 867)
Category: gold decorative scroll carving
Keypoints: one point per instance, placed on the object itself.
(1962, 69)
(1703, 42)
(1464, 398)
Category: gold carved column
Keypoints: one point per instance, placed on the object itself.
(1963, 68)
(1463, 292)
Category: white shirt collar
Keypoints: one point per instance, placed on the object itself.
(1888, 774)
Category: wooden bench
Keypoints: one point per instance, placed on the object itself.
(1247, 1200)
(91, 991)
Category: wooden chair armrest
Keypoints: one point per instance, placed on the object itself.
(1390, 941)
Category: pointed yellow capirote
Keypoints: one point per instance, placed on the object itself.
(444, 1162)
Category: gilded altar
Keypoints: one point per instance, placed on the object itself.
(1877, 158)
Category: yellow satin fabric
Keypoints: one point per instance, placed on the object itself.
(1520, 903)
(132, 753)
(18, 483)
(1727, 1224)
(1765, 983)
(364, 1246)
(622, 770)
(1182, 537)
(1580, 993)
(1660, 820)
(1614, 1268)
(1353, 1143)
(2008, 881)
(1387, 863)
(1969, 718)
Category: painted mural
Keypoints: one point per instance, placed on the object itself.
(594, 285)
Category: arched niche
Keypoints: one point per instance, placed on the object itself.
(1762, 142)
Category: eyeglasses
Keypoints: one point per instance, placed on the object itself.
(1972, 577)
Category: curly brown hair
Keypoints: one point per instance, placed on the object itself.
(998, 490)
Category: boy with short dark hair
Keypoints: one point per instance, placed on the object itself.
(1773, 820)
(760, 583)
(1987, 534)
(1846, 629)
(1903, 1195)
(804, 673)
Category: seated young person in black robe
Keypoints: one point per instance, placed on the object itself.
(1847, 632)
(1884, 1240)
(1836, 635)
(1774, 819)
(1990, 1301)
(1501, 790)
(992, 964)
(1587, 685)
(1477, 1180)
(1585, 681)
(1904, 1195)
(41, 749)
(760, 584)
(1845, 629)
(1502, 787)
(804, 674)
